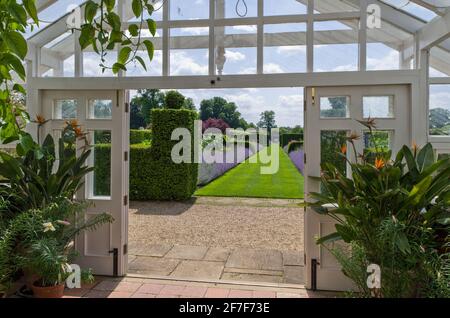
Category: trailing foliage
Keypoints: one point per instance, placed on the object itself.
(396, 214)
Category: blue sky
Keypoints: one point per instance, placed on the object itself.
(287, 103)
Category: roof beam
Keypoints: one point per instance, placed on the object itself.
(435, 32)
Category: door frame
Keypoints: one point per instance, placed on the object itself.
(35, 86)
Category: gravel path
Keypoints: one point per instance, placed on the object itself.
(219, 222)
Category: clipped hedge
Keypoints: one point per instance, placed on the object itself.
(285, 139)
(153, 175)
(294, 145)
(138, 136)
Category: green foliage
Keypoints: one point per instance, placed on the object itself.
(102, 29)
(294, 145)
(397, 213)
(267, 120)
(285, 139)
(144, 102)
(140, 136)
(174, 100)
(41, 240)
(219, 108)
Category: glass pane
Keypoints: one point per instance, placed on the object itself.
(101, 177)
(376, 144)
(236, 49)
(189, 51)
(92, 61)
(100, 109)
(327, 6)
(189, 10)
(285, 48)
(378, 106)
(336, 46)
(440, 110)
(438, 60)
(65, 109)
(334, 107)
(332, 143)
(283, 7)
(157, 15)
(236, 9)
(154, 67)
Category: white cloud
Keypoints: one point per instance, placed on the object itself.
(234, 56)
(291, 50)
(273, 68)
(182, 64)
(195, 31)
(245, 28)
(441, 99)
(388, 62)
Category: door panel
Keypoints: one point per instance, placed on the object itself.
(102, 115)
(333, 111)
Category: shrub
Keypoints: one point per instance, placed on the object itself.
(215, 123)
(153, 174)
(174, 100)
(138, 136)
(294, 145)
(286, 138)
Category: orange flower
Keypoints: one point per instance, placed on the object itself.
(73, 123)
(379, 163)
(344, 149)
(40, 119)
(415, 147)
(78, 131)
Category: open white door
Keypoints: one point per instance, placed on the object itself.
(105, 116)
(331, 114)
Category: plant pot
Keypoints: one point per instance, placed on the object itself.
(48, 292)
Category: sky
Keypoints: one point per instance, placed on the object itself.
(287, 102)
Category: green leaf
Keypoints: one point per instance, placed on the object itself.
(141, 61)
(124, 54)
(150, 48)
(133, 29)
(30, 7)
(16, 43)
(425, 158)
(403, 243)
(151, 26)
(18, 12)
(114, 20)
(90, 11)
(330, 238)
(345, 232)
(419, 190)
(136, 6)
(117, 67)
(110, 4)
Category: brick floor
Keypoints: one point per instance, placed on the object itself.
(129, 287)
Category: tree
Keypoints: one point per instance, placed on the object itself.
(220, 108)
(174, 100)
(189, 104)
(136, 118)
(145, 101)
(338, 107)
(267, 120)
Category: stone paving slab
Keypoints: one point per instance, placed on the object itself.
(155, 250)
(218, 254)
(245, 277)
(256, 259)
(187, 252)
(294, 275)
(153, 266)
(198, 269)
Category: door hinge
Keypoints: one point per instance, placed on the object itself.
(304, 105)
(304, 157)
(127, 107)
(125, 200)
(125, 156)
(125, 249)
(313, 96)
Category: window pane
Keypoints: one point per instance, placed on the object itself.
(283, 7)
(336, 46)
(332, 143)
(154, 67)
(284, 48)
(100, 179)
(440, 110)
(327, 6)
(157, 15)
(334, 107)
(92, 61)
(189, 10)
(65, 109)
(376, 144)
(378, 106)
(189, 51)
(100, 109)
(236, 49)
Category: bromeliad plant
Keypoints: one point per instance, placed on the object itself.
(393, 213)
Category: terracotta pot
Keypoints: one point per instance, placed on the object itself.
(48, 292)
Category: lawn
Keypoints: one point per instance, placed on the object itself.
(246, 180)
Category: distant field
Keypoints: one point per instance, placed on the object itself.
(246, 181)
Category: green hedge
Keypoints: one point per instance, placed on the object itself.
(294, 145)
(285, 139)
(153, 175)
(138, 136)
